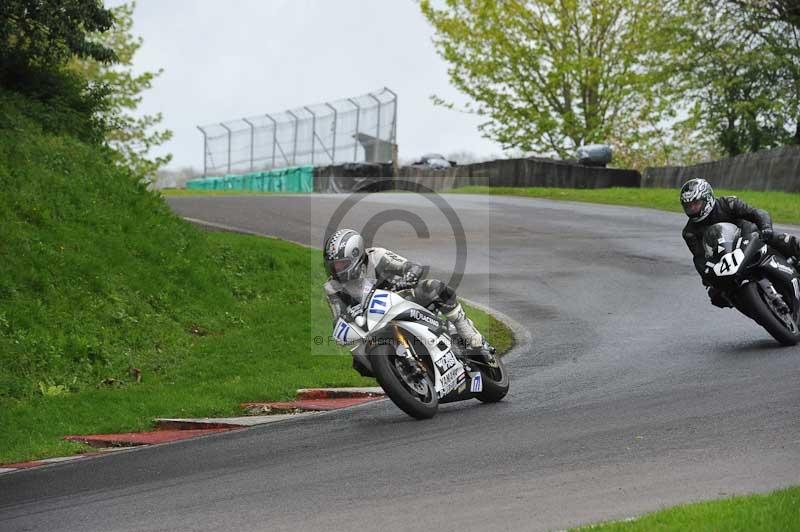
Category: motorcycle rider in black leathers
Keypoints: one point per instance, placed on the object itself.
(703, 210)
(347, 260)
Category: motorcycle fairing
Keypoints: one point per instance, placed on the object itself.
(382, 307)
(422, 316)
(784, 276)
(729, 255)
(448, 371)
(346, 333)
(386, 307)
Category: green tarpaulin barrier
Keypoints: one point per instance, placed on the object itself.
(294, 179)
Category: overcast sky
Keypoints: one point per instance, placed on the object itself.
(225, 60)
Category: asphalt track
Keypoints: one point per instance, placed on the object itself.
(633, 394)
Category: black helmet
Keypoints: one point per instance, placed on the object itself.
(344, 254)
(697, 199)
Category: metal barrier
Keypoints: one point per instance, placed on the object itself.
(296, 179)
(359, 129)
(775, 169)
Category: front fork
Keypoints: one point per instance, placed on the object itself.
(405, 351)
(775, 298)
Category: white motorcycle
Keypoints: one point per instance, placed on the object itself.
(414, 354)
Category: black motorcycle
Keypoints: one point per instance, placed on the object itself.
(759, 282)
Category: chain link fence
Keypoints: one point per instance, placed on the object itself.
(359, 129)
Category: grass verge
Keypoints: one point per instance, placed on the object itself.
(779, 510)
(248, 341)
(498, 333)
(114, 311)
(245, 335)
(783, 206)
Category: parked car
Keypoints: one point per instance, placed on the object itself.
(435, 161)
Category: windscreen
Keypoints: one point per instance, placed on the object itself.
(719, 239)
(359, 288)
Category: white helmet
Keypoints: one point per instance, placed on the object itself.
(344, 255)
(697, 199)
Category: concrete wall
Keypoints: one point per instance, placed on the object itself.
(777, 169)
(521, 173)
(353, 177)
(499, 173)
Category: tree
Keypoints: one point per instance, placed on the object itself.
(551, 75)
(777, 24)
(745, 75)
(49, 32)
(787, 11)
(131, 136)
(37, 39)
(736, 82)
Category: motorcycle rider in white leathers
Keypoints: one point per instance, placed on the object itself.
(347, 259)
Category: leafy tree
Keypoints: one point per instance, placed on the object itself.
(734, 83)
(551, 75)
(37, 38)
(745, 74)
(49, 32)
(131, 136)
(777, 24)
(787, 11)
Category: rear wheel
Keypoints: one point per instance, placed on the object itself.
(405, 381)
(783, 327)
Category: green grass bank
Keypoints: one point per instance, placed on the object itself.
(779, 510)
(113, 311)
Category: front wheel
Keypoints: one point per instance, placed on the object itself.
(407, 385)
(495, 382)
(758, 306)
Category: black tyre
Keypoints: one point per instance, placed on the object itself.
(416, 398)
(755, 301)
(495, 382)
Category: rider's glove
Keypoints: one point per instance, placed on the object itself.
(402, 284)
(410, 278)
(767, 233)
(413, 273)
